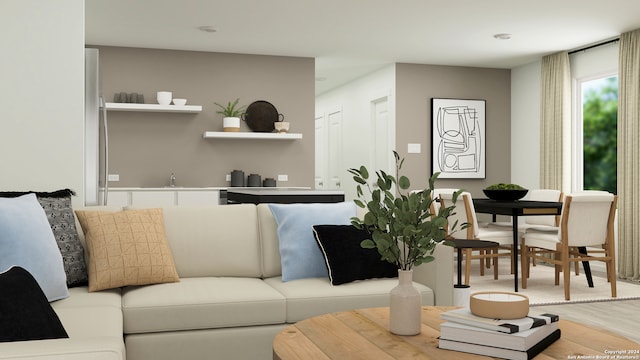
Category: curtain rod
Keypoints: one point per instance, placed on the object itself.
(611, 41)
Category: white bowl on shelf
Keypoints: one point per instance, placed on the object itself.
(179, 102)
(164, 97)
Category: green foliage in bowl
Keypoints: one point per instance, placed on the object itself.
(505, 192)
(502, 186)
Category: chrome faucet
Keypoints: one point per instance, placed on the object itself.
(172, 180)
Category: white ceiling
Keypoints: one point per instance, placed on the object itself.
(349, 38)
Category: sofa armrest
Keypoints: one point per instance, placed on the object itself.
(438, 275)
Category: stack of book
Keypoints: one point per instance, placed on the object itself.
(508, 339)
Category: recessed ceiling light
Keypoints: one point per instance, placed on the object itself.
(502, 36)
(207, 28)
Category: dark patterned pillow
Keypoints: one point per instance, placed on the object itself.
(57, 206)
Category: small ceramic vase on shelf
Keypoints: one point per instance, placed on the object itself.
(405, 306)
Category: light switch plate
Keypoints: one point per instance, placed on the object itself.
(113, 177)
(283, 177)
(414, 148)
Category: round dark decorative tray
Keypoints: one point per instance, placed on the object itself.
(261, 115)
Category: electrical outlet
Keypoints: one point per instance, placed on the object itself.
(414, 148)
(283, 177)
(113, 177)
(228, 177)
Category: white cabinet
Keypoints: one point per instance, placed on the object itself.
(116, 198)
(161, 197)
(208, 197)
(145, 199)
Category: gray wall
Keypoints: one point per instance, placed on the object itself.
(417, 84)
(145, 148)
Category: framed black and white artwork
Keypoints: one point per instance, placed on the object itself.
(458, 138)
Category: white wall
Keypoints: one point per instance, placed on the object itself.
(355, 99)
(42, 95)
(525, 125)
(525, 107)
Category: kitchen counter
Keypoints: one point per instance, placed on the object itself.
(282, 195)
(184, 188)
(177, 195)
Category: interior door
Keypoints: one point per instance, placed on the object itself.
(321, 166)
(329, 164)
(381, 151)
(335, 149)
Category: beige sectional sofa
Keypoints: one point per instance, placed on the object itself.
(230, 301)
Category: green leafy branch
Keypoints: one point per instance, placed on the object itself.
(403, 228)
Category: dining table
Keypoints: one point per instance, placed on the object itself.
(516, 209)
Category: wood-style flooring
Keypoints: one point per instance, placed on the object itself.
(621, 317)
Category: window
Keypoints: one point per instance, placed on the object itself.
(596, 164)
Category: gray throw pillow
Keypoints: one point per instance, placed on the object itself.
(57, 207)
(60, 215)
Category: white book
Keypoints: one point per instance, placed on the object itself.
(522, 340)
(464, 316)
(503, 353)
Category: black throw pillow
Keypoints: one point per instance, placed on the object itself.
(25, 312)
(346, 260)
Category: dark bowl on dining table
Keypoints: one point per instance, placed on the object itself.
(505, 195)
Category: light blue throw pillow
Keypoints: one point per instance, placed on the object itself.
(26, 240)
(301, 257)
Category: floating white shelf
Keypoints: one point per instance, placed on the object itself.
(153, 107)
(251, 135)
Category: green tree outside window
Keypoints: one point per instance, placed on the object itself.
(600, 136)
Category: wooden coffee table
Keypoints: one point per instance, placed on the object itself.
(363, 334)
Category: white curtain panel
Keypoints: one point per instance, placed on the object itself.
(555, 115)
(629, 156)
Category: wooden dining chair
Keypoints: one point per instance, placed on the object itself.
(465, 213)
(587, 221)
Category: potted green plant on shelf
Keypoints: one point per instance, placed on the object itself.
(231, 115)
(405, 229)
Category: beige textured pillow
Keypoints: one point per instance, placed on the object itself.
(127, 248)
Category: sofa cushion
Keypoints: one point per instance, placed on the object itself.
(26, 240)
(201, 303)
(80, 297)
(300, 255)
(126, 248)
(57, 207)
(238, 343)
(271, 264)
(315, 296)
(346, 260)
(25, 312)
(214, 240)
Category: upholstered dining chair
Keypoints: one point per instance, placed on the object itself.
(465, 213)
(542, 222)
(587, 220)
(539, 222)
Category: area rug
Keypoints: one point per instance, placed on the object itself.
(541, 289)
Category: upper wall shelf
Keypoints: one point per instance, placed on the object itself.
(153, 107)
(251, 135)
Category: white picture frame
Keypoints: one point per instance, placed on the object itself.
(458, 138)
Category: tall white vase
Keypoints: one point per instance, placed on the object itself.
(405, 306)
